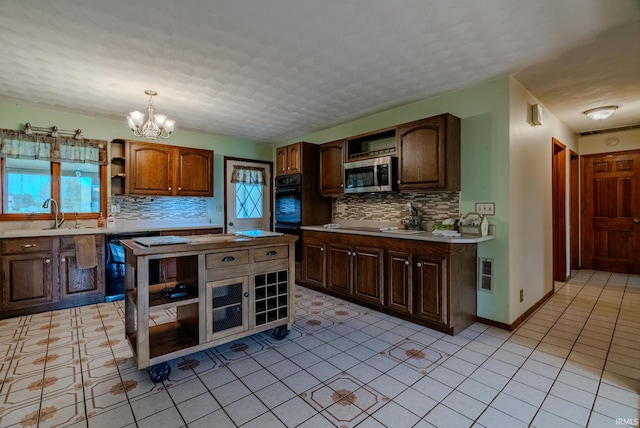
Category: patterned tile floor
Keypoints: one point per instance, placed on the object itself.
(574, 363)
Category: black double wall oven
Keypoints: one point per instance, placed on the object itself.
(288, 208)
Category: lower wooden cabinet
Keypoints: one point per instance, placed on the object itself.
(431, 283)
(40, 274)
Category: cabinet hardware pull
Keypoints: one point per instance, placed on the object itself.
(271, 253)
(322, 250)
(636, 220)
(406, 262)
(47, 261)
(29, 245)
(353, 254)
(228, 259)
(348, 253)
(419, 264)
(179, 188)
(246, 294)
(399, 182)
(63, 260)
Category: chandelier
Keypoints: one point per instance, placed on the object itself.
(157, 125)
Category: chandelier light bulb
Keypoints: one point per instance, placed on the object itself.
(156, 126)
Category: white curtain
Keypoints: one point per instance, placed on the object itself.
(17, 144)
(248, 175)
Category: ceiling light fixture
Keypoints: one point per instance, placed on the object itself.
(155, 124)
(601, 113)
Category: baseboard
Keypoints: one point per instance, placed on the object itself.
(520, 319)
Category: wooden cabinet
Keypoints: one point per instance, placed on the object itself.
(77, 283)
(314, 262)
(429, 154)
(431, 283)
(332, 157)
(28, 273)
(40, 274)
(149, 169)
(289, 159)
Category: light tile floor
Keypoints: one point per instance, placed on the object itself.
(575, 362)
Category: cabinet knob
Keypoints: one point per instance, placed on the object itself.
(47, 261)
(29, 245)
(179, 188)
(246, 294)
(398, 181)
(636, 220)
(406, 262)
(419, 264)
(169, 188)
(322, 250)
(353, 254)
(342, 185)
(348, 253)
(63, 260)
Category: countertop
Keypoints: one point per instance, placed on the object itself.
(401, 234)
(84, 230)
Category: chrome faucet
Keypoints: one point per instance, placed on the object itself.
(56, 213)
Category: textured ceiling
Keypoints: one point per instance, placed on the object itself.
(272, 70)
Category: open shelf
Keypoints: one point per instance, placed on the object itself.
(165, 339)
(158, 302)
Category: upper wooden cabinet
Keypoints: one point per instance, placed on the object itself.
(332, 168)
(194, 172)
(289, 159)
(429, 154)
(140, 168)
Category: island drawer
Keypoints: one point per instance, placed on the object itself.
(27, 245)
(226, 259)
(271, 253)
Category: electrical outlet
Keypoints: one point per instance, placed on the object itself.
(486, 208)
(521, 295)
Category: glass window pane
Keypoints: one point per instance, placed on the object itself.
(248, 200)
(79, 187)
(28, 185)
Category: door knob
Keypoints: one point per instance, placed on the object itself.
(230, 223)
(636, 220)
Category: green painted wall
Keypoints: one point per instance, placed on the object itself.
(14, 115)
(484, 110)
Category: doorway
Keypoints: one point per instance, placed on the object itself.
(611, 212)
(248, 194)
(558, 209)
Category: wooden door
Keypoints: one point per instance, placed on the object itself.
(314, 262)
(339, 269)
(611, 212)
(281, 161)
(421, 155)
(399, 294)
(76, 282)
(27, 279)
(294, 158)
(150, 169)
(332, 168)
(574, 211)
(429, 289)
(367, 274)
(194, 172)
(559, 211)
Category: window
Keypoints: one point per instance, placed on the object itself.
(35, 168)
(248, 200)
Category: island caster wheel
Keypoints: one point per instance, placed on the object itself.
(159, 372)
(280, 332)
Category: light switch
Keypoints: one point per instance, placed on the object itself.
(486, 208)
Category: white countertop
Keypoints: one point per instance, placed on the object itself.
(401, 234)
(126, 227)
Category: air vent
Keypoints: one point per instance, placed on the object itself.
(485, 274)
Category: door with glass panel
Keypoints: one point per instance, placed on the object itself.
(248, 195)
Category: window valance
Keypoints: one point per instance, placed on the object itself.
(248, 175)
(17, 144)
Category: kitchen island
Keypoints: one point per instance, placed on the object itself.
(226, 287)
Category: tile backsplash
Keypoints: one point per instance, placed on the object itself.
(160, 208)
(392, 206)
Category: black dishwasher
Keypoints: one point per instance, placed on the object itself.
(114, 267)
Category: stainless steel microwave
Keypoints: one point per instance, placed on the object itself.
(370, 175)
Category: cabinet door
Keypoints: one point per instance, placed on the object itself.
(194, 173)
(339, 269)
(294, 158)
(27, 279)
(399, 293)
(421, 155)
(367, 274)
(281, 161)
(76, 282)
(332, 168)
(429, 289)
(227, 307)
(314, 262)
(150, 169)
